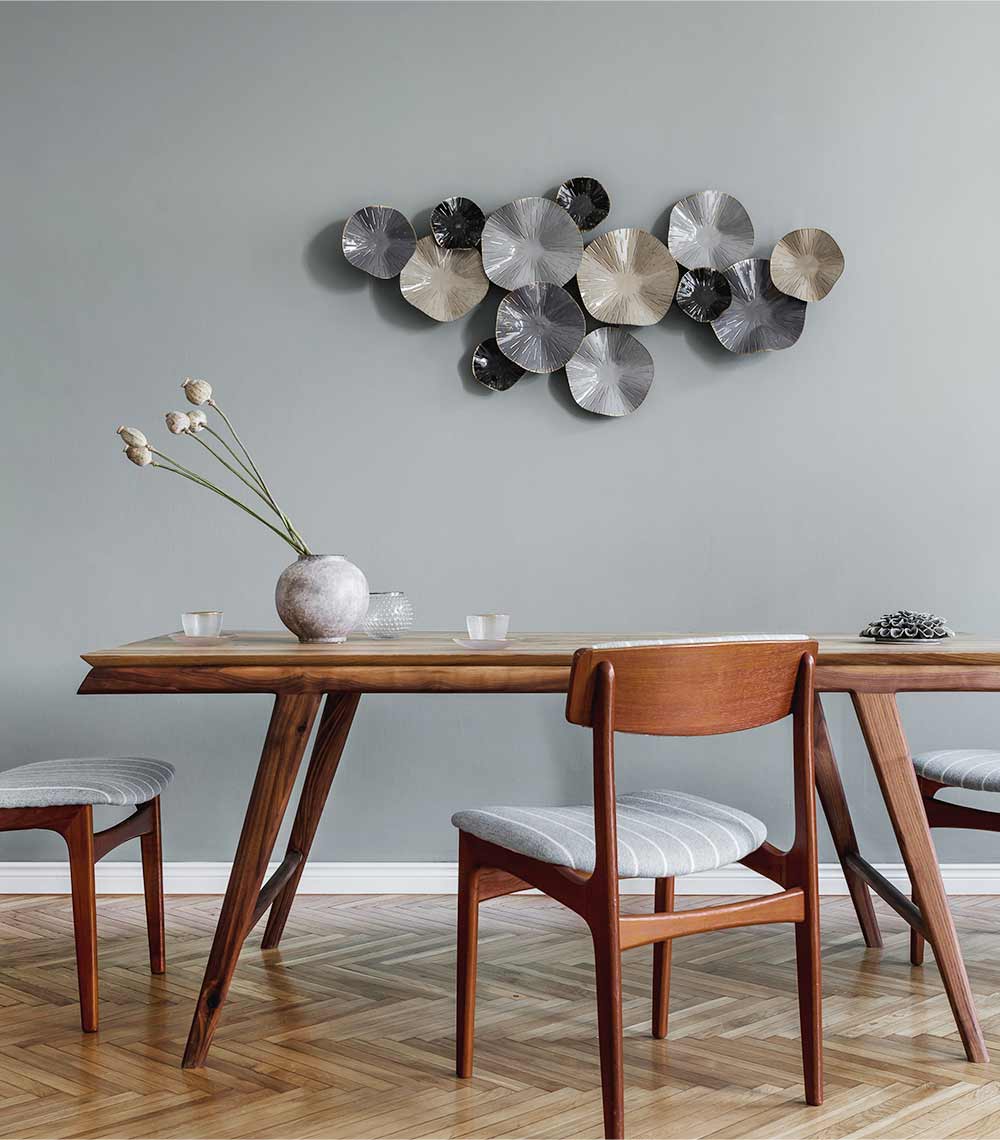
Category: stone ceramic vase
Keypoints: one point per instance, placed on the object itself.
(321, 597)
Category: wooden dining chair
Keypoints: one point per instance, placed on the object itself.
(975, 769)
(576, 855)
(60, 795)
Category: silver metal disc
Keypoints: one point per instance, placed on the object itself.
(610, 373)
(539, 327)
(378, 240)
(759, 317)
(627, 277)
(531, 241)
(806, 264)
(710, 230)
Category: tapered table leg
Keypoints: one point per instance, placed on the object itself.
(890, 754)
(287, 735)
(838, 817)
(331, 736)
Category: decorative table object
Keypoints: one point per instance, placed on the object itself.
(586, 200)
(610, 373)
(760, 317)
(492, 369)
(531, 241)
(710, 230)
(457, 223)
(907, 625)
(443, 283)
(390, 615)
(539, 327)
(806, 264)
(321, 597)
(627, 277)
(378, 240)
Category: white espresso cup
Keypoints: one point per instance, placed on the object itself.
(202, 623)
(487, 627)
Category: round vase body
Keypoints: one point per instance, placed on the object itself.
(321, 597)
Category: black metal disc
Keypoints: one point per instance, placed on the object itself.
(492, 369)
(457, 223)
(586, 200)
(703, 294)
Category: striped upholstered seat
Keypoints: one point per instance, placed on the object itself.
(116, 781)
(961, 768)
(660, 834)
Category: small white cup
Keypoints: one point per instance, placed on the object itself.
(487, 627)
(202, 623)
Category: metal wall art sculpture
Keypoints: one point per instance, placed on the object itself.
(533, 246)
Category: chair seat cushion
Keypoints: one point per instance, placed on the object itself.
(660, 834)
(95, 780)
(961, 768)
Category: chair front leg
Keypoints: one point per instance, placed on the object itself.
(662, 953)
(468, 952)
(608, 967)
(78, 833)
(152, 882)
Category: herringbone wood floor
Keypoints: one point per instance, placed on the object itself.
(347, 1031)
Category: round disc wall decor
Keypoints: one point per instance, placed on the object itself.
(710, 230)
(760, 317)
(703, 294)
(378, 240)
(531, 241)
(586, 200)
(627, 277)
(492, 369)
(443, 283)
(610, 373)
(539, 327)
(457, 223)
(806, 264)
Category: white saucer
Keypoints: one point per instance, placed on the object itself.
(184, 639)
(483, 645)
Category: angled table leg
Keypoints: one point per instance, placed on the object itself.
(287, 735)
(890, 754)
(331, 736)
(838, 817)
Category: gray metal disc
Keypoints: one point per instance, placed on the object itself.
(710, 230)
(531, 241)
(539, 327)
(610, 373)
(760, 317)
(378, 240)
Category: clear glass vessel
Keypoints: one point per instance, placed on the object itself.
(390, 614)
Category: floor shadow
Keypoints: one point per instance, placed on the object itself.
(326, 264)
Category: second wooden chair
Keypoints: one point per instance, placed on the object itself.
(694, 687)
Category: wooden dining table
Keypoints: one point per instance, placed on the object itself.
(303, 676)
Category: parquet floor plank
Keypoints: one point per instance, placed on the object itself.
(347, 1030)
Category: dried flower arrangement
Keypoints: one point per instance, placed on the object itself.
(142, 453)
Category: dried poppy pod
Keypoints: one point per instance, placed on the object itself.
(177, 422)
(140, 456)
(132, 437)
(197, 391)
(197, 420)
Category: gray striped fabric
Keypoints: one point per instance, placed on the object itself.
(660, 833)
(116, 780)
(977, 768)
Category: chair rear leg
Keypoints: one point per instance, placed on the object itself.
(468, 952)
(807, 960)
(916, 941)
(79, 836)
(152, 882)
(662, 953)
(608, 964)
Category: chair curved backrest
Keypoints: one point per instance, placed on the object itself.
(691, 686)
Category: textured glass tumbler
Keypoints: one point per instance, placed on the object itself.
(390, 614)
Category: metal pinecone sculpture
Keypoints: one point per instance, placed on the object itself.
(905, 625)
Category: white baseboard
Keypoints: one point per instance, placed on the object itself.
(440, 879)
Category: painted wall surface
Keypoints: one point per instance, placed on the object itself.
(173, 182)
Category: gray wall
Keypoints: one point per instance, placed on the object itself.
(172, 184)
